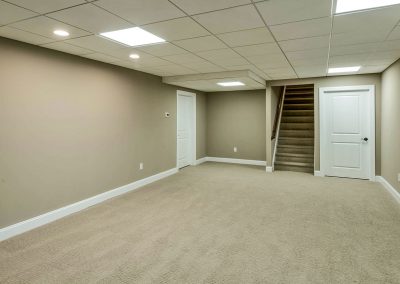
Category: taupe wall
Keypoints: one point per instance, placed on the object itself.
(368, 79)
(72, 128)
(236, 119)
(391, 124)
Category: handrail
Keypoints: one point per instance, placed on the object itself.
(277, 113)
(278, 127)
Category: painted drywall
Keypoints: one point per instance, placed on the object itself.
(367, 79)
(236, 119)
(72, 128)
(391, 125)
(201, 125)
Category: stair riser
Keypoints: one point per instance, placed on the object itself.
(297, 126)
(294, 169)
(299, 101)
(296, 141)
(297, 133)
(298, 107)
(287, 112)
(299, 119)
(294, 159)
(295, 151)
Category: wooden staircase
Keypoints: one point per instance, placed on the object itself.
(295, 148)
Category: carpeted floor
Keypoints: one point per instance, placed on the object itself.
(218, 223)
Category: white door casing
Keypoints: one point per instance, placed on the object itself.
(347, 131)
(186, 129)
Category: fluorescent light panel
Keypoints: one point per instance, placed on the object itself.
(344, 69)
(343, 6)
(230, 84)
(61, 33)
(134, 56)
(133, 37)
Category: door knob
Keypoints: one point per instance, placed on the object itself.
(365, 139)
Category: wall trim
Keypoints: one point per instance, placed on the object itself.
(269, 169)
(318, 174)
(388, 187)
(237, 161)
(200, 161)
(54, 215)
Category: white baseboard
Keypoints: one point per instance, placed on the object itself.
(200, 161)
(388, 187)
(269, 169)
(236, 161)
(318, 174)
(51, 216)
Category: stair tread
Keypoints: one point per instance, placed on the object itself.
(296, 146)
(298, 164)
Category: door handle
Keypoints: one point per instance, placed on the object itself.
(365, 139)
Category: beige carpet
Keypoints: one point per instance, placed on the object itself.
(218, 223)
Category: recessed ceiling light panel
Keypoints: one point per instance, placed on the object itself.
(134, 56)
(230, 84)
(61, 33)
(343, 6)
(344, 69)
(133, 37)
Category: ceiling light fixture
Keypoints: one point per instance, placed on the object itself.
(133, 37)
(343, 69)
(61, 33)
(134, 56)
(343, 6)
(230, 84)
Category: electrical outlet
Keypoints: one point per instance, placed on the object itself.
(141, 166)
(235, 149)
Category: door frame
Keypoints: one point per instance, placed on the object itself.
(193, 126)
(323, 122)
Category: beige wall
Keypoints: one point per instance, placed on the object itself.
(72, 128)
(236, 119)
(201, 125)
(391, 124)
(368, 79)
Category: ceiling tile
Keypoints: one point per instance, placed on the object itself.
(304, 43)
(100, 57)
(285, 11)
(123, 54)
(226, 62)
(377, 21)
(142, 12)
(68, 48)
(162, 49)
(348, 60)
(355, 38)
(395, 34)
(275, 60)
(218, 54)
(176, 69)
(353, 49)
(95, 43)
(195, 6)
(183, 58)
(24, 36)
(309, 61)
(46, 6)
(229, 20)
(201, 43)
(258, 49)
(308, 28)
(45, 26)
(10, 13)
(373, 68)
(307, 54)
(247, 37)
(90, 18)
(311, 71)
(389, 45)
(281, 70)
(151, 61)
(177, 29)
(204, 67)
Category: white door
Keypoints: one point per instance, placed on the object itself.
(185, 129)
(348, 131)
